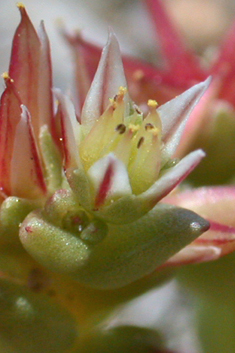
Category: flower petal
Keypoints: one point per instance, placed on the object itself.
(214, 203)
(70, 129)
(45, 98)
(110, 180)
(217, 205)
(182, 63)
(192, 254)
(107, 81)
(25, 64)
(26, 171)
(171, 178)
(10, 113)
(175, 113)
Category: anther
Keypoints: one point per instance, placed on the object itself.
(121, 128)
(152, 104)
(149, 126)
(137, 109)
(140, 142)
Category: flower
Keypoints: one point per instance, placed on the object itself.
(84, 190)
(182, 68)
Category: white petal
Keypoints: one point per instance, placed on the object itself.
(118, 181)
(108, 78)
(175, 113)
(171, 178)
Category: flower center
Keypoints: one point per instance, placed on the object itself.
(133, 138)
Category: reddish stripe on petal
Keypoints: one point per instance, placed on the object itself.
(172, 178)
(24, 65)
(105, 185)
(10, 113)
(218, 227)
(26, 171)
(69, 125)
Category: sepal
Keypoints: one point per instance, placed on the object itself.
(120, 255)
(12, 213)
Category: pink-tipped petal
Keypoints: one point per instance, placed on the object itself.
(199, 118)
(192, 254)
(109, 178)
(26, 171)
(70, 130)
(217, 204)
(218, 241)
(45, 98)
(214, 203)
(107, 81)
(144, 80)
(25, 65)
(175, 113)
(86, 59)
(10, 113)
(219, 235)
(181, 62)
(171, 178)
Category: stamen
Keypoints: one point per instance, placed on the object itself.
(149, 126)
(121, 128)
(121, 94)
(137, 109)
(155, 131)
(140, 142)
(6, 77)
(133, 128)
(152, 104)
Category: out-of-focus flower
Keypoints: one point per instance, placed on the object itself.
(214, 117)
(98, 221)
(216, 204)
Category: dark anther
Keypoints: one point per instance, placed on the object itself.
(149, 126)
(121, 128)
(140, 142)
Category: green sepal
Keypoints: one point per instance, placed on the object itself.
(53, 247)
(32, 322)
(128, 253)
(125, 210)
(52, 160)
(12, 213)
(132, 251)
(61, 206)
(80, 185)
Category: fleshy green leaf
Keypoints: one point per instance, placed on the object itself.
(128, 252)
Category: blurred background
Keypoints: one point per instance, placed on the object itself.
(203, 23)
